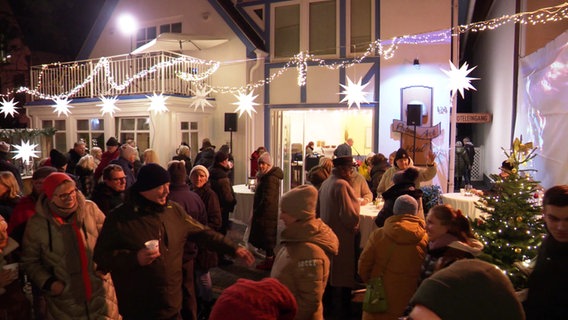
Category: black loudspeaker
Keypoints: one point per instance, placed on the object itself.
(413, 114)
(230, 122)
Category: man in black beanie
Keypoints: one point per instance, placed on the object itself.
(148, 279)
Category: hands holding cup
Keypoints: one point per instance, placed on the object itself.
(149, 253)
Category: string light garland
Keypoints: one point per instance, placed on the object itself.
(382, 48)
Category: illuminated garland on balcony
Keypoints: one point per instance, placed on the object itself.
(383, 48)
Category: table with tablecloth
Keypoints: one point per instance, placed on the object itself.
(367, 225)
(466, 203)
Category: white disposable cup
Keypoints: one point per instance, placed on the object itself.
(462, 191)
(153, 245)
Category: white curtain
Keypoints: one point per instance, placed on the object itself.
(542, 115)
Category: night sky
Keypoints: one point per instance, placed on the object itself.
(56, 26)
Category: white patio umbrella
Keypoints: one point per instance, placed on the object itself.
(179, 42)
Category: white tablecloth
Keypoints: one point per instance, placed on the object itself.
(245, 199)
(465, 203)
(367, 225)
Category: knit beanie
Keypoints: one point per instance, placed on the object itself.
(469, 289)
(53, 181)
(405, 204)
(265, 158)
(221, 156)
(343, 161)
(200, 168)
(58, 159)
(267, 299)
(300, 202)
(177, 172)
(406, 176)
(400, 154)
(150, 176)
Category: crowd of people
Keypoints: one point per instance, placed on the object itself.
(116, 235)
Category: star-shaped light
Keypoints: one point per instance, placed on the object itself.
(61, 106)
(108, 105)
(158, 103)
(246, 103)
(459, 81)
(8, 107)
(25, 151)
(354, 93)
(199, 99)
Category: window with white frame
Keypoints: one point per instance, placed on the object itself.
(319, 37)
(361, 25)
(147, 34)
(135, 128)
(58, 141)
(91, 131)
(190, 135)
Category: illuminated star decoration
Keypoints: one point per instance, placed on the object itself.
(459, 81)
(61, 106)
(26, 152)
(8, 107)
(354, 93)
(108, 105)
(158, 103)
(246, 103)
(199, 99)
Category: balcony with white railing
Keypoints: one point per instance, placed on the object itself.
(130, 74)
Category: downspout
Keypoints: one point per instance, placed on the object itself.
(250, 141)
(454, 53)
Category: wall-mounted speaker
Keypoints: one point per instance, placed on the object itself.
(230, 122)
(413, 114)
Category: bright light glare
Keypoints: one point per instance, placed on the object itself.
(127, 24)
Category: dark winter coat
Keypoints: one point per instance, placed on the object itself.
(107, 198)
(206, 258)
(390, 196)
(548, 282)
(220, 183)
(205, 157)
(376, 174)
(152, 291)
(462, 162)
(264, 223)
(187, 161)
(74, 158)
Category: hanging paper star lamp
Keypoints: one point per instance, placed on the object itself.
(158, 103)
(108, 105)
(459, 81)
(246, 103)
(25, 151)
(61, 106)
(354, 93)
(199, 99)
(8, 107)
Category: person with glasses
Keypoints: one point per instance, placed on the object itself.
(57, 253)
(109, 193)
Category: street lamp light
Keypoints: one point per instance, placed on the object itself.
(127, 24)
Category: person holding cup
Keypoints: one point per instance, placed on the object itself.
(148, 281)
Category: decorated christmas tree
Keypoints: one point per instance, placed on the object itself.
(512, 228)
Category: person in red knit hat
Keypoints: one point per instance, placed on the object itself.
(57, 253)
(267, 299)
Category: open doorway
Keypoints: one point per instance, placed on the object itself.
(292, 130)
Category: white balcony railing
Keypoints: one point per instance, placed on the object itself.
(93, 78)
